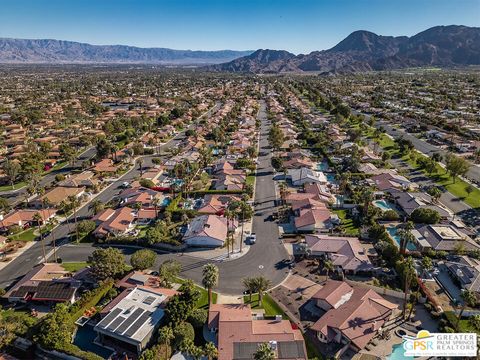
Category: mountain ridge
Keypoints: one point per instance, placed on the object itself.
(52, 51)
(442, 46)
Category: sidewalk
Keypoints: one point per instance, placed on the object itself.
(28, 245)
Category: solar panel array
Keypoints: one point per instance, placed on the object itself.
(138, 324)
(149, 300)
(129, 321)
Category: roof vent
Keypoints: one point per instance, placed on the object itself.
(273, 344)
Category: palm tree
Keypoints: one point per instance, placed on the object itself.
(249, 286)
(37, 217)
(408, 276)
(261, 285)
(405, 237)
(210, 279)
(264, 352)
(367, 197)
(75, 203)
(469, 299)
(228, 215)
(328, 266)
(210, 351)
(96, 206)
(140, 165)
(52, 222)
(165, 335)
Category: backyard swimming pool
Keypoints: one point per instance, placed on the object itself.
(322, 166)
(84, 339)
(392, 230)
(384, 205)
(398, 353)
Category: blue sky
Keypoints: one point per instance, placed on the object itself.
(299, 26)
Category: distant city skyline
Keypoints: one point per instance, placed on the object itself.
(299, 26)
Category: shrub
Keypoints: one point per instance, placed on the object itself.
(146, 183)
(425, 216)
(183, 332)
(198, 318)
(390, 215)
(59, 177)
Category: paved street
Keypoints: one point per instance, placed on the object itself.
(425, 147)
(16, 196)
(23, 263)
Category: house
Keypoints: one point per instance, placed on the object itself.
(318, 219)
(105, 166)
(84, 179)
(346, 253)
(114, 222)
(410, 201)
(466, 271)
(353, 315)
(148, 198)
(47, 283)
(229, 182)
(239, 333)
(146, 216)
(58, 195)
(25, 218)
(206, 230)
(132, 318)
(216, 203)
(304, 175)
(443, 237)
(392, 180)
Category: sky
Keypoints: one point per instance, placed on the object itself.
(299, 26)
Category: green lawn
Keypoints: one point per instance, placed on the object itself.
(464, 325)
(15, 186)
(347, 224)
(74, 266)
(250, 179)
(27, 235)
(268, 304)
(203, 300)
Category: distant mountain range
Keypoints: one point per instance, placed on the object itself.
(442, 46)
(58, 52)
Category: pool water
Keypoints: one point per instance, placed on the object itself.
(398, 353)
(384, 205)
(331, 178)
(322, 166)
(84, 340)
(392, 230)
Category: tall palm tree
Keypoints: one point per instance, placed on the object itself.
(264, 352)
(228, 215)
(261, 285)
(165, 335)
(469, 299)
(249, 286)
(210, 279)
(52, 222)
(405, 237)
(74, 203)
(37, 217)
(140, 165)
(328, 266)
(210, 351)
(408, 276)
(96, 206)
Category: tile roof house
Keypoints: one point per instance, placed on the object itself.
(443, 237)
(410, 201)
(305, 175)
(346, 253)
(316, 219)
(57, 195)
(142, 195)
(85, 178)
(391, 180)
(239, 333)
(114, 222)
(25, 217)
(353, 315)
(216, 203)
(48, 282)
(206, 230)
(105, 166)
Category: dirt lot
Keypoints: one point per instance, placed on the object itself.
(440, 295)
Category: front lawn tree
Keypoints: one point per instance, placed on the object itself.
(456, 166)
(469, 299)
(210, 279)
(107, 263)
(168, 272)
(143, 259)
(264, 352)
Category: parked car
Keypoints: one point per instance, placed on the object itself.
(251, 239)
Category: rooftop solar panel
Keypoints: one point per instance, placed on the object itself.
(138, 324)
(115, 323)
(290, 350)
(149, 300)
(129, 321)
(107, 319)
